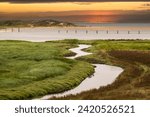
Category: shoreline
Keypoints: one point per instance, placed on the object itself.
(59, 33)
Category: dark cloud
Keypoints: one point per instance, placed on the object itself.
(146, 5)
(83, 3)
(40, 1)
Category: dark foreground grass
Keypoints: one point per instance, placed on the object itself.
(133, 57)
(29, 70)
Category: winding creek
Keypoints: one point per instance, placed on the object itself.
(104, 75)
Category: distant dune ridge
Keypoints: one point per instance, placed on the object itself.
(33, 23)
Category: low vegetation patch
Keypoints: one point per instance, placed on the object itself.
(133, 56)
(29, 70)
(33, 23)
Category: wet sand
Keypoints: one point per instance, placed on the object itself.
(42, 34)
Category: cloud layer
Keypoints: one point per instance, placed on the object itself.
(40, 1)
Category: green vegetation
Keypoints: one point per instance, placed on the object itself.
(133, 57)
(33, 23)
(29, 69)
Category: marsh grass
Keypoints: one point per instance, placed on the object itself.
(29, 69)
(133, 57)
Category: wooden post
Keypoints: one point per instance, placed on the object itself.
(86, 31)
(18, 29)
(128, 32)
(139, 32)
(12, 30)
(117, 31)
(107, 31)
(97, 32)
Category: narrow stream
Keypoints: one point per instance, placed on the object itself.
(104, 75)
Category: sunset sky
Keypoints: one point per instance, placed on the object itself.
(68, 7)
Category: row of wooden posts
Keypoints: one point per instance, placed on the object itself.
(12, 29)
(86, 31)
(97, 31)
